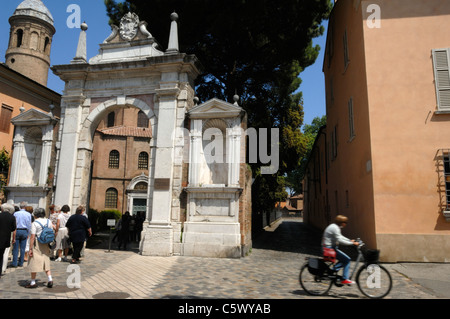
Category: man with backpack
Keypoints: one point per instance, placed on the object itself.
(42, 234)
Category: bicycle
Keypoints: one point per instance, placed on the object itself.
(373, 280)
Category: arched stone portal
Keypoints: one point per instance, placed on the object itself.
(85, 148)
(83, 155)
(131, 71)
(128, 72)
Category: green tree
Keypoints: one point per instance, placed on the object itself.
(256, 49)
(4, 168)
(4, 161)
(294, 178)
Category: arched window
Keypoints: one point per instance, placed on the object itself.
(114, 157)
(19, 38)
(141, 186)
(143, 160)
(142, 119)
(111, 119)
(46, 43)
(111, 198)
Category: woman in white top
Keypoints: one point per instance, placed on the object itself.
(39, 253)
(62, 234)
(332, 238)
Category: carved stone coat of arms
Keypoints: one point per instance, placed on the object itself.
(129, 26)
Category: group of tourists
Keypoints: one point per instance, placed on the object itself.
(128, 229)
(23, 226)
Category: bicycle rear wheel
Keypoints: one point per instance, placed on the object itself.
(374, 281)
(313, 284)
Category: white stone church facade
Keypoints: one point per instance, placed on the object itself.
(199, 189)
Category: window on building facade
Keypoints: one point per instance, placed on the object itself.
(443, 170)
(111, 119)
(46, 43)
(345, 40)
(19, 38)
(143, 160)
(141, 186)
(142, 119)
(334, 143)
(5, 118)
(446, 178)
(114, 157)
(111, 197)
(330, 44)
(441, 64)
(351, 120)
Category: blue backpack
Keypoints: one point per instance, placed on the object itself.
(47, 235)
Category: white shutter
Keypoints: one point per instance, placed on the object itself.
(442, 78)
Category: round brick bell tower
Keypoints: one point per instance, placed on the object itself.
(30, 40)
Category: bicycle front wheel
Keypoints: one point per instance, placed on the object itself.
(374, 281)
(314, 285)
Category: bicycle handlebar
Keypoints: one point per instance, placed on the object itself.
(360, 242)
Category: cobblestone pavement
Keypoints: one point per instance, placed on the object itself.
(269, 272)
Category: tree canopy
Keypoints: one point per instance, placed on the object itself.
(256, 49)
(295, 177)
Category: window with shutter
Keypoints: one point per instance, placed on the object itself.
(334, 144)
(442, 78)
(351, 123)
(5, 119)
(345, 42)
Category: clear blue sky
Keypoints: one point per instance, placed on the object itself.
(94, 13)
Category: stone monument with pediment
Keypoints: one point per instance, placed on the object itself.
(30, 166)
(132, 71)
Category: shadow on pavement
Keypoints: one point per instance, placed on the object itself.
(101, 240)
(289, 235)
(285, 235)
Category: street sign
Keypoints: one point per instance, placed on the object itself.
(111, 222)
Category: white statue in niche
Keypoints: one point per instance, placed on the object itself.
(30, 163)
(214, 169)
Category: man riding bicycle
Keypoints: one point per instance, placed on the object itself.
(332, 237)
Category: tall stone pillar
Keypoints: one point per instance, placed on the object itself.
(72, 103)
(196, 147)
(158, 238)
(68, 152)
(47, 142)
(16, 158)
(234, 149)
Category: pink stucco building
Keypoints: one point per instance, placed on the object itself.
(383, 156)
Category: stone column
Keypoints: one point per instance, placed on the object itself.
(158, 237)
(47, 140)
(68, 152)
(233, 151)
(16, 159)
(196, 146)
